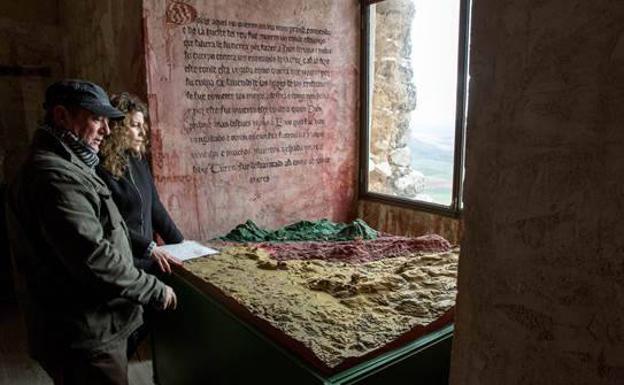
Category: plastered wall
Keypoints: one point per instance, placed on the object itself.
(541, 272)
(254, 111)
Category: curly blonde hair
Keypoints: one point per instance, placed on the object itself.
(115, 148)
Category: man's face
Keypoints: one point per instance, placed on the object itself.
(89, 127)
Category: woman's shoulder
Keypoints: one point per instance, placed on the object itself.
(138, 162)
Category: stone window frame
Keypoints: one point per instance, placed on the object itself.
(454, 210)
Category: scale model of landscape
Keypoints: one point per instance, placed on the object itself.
(342, 300)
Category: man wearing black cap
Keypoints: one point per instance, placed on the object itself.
(81, 293)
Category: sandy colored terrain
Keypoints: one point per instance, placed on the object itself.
(338, 310)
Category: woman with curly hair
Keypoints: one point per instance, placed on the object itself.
(126, 172)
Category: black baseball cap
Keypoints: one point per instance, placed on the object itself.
(81, 93)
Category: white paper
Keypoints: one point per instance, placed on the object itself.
(189, 250)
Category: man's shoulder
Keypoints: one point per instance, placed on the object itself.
(48, 164)
(48, 169)
(45, 159)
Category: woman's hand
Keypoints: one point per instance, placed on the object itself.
(164, 259)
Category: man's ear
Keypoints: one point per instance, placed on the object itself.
(60, 116)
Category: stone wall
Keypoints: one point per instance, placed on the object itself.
(29, 55)
(103, 42)
(541, 272)
(393, 100)
(96, 40)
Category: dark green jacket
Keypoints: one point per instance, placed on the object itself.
(71, 249)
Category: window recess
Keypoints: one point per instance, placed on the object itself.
(414, 94)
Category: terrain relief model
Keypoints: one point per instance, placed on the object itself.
(336, 293)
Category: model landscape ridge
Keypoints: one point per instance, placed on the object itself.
(344, 299)
(320, 230)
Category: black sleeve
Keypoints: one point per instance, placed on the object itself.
(162, 223)
(138, 242)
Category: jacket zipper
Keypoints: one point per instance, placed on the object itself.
(138, 192)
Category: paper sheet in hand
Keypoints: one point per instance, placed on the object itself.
(189, 250)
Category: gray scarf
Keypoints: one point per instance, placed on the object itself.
(80, 148)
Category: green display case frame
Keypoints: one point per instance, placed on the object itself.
(204, 342)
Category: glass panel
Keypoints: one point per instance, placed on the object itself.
(414, 48)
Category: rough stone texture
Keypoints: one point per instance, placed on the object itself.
(93, 39)
(29, 36)
(541, 275)
(393, 100)
(408, 222)
(338, 310)
(103, 42)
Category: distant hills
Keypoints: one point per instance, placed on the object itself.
(435, 161)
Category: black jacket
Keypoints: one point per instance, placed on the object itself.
(139, 204)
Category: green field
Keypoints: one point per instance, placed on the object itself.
(437, 166)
